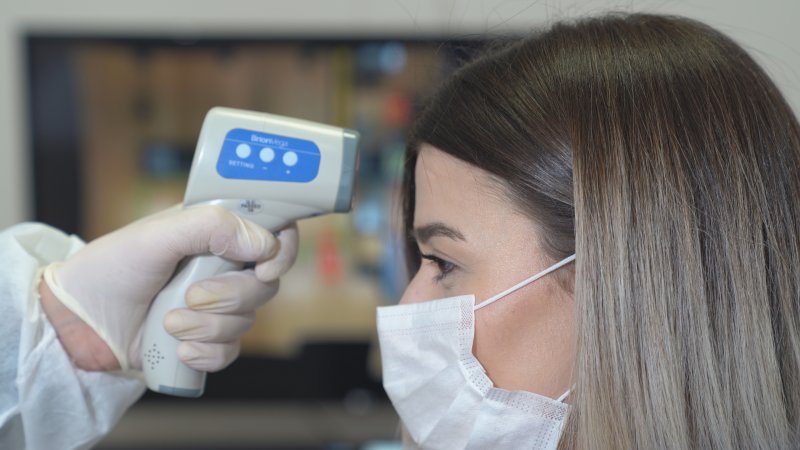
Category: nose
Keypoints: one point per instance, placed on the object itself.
(415, 292)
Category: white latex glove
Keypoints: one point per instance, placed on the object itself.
(110, 283)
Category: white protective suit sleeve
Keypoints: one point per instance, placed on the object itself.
(45, 401)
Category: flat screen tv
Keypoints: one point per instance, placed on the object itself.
(113, 126)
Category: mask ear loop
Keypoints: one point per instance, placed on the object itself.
(526, 282)
(564, 396)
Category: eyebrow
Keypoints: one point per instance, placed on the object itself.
(426, 232)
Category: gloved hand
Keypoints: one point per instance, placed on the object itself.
(110, 283)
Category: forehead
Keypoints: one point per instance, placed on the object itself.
(449, 188)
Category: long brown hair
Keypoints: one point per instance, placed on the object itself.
(657, 150)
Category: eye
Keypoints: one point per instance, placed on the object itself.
(444, 267)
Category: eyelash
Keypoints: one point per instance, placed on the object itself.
(445, 267)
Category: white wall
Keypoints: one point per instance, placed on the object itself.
(768, 28)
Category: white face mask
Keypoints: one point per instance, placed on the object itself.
(441, 391)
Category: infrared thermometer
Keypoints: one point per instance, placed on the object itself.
(269, 169)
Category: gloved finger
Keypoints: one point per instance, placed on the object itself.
(213, 229)
(189, 325)
(275, 267)
(208, 357)
(230, 293)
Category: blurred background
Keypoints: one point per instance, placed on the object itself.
(101, 104)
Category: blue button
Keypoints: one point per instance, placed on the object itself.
(243, 151)
(290, 158)
(266, 154)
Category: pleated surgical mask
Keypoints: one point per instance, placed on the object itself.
(440, 390)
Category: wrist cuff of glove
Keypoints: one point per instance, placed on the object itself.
(77, 308)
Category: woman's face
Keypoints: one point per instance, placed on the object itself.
(474, 242)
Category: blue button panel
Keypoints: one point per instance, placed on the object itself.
(253, 155)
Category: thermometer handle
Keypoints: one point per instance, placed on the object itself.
(163, 371)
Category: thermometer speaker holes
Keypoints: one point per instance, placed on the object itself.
(153, 357)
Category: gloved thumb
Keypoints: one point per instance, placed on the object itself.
(212, 229)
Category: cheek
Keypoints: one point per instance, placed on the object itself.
(526, 342)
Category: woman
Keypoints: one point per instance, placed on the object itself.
(657, 151)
